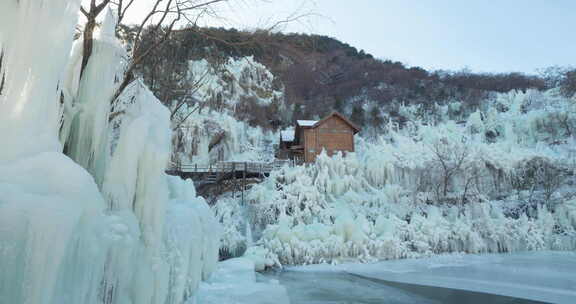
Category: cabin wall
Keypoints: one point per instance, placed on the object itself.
(333, 135)
(310, 145)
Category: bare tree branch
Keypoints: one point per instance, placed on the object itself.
(88, 36)
(177, 126)
(195, 87)
(83, 11)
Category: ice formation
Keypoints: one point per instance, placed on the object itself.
(235, 282)
(211, 136)
(111, 227)
(484, 186)
(210, 131)
(236, 77)
(546, 276)
(51, 213)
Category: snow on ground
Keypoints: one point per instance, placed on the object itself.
(234, 282)
(546, 276)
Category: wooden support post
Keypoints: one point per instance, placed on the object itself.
(217, 182)
(234, 182)
(244, 181)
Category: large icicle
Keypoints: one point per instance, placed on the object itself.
(34, 54)
(87, 141)
(61, 240)
(51, 219)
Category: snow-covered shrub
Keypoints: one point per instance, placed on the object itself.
(233, 217)
(428, 189)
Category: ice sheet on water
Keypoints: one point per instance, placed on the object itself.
(542, 276)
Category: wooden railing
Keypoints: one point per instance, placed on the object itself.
(224, 167)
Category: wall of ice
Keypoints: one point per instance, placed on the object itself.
(211, 136)
(103, 224)
(499, 182)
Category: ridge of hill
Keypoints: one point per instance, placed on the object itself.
(319, 74)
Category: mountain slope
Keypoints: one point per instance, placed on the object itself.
(319, 74)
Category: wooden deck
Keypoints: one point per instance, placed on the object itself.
(225, 170)
(234, 174)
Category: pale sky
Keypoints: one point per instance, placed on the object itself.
(485, 36)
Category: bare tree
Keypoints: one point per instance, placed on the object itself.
(537, 178)
(167, 14)
(160, 20)
(450, 159)
(2, 75)
(567, 121)
(88, 35)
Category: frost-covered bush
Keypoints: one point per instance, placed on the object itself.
(495, 183)
(233, 217)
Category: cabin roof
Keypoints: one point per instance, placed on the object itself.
(312, 124)
(346, 120)
(287, 135)
(306, 123)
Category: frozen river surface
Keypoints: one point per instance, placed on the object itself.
(532, 277)
(322, 287)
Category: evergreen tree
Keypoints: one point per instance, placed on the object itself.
(338, 104)
(375, 117)
(297, 112)
(358, 115)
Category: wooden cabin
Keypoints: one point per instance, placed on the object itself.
(309, 137)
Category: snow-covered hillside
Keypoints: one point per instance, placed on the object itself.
(501, 181)
(211, 136)
(225, 84)
(210, 128)
(99, 222)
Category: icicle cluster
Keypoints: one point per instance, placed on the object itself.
(106, 225)
(207, 137)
